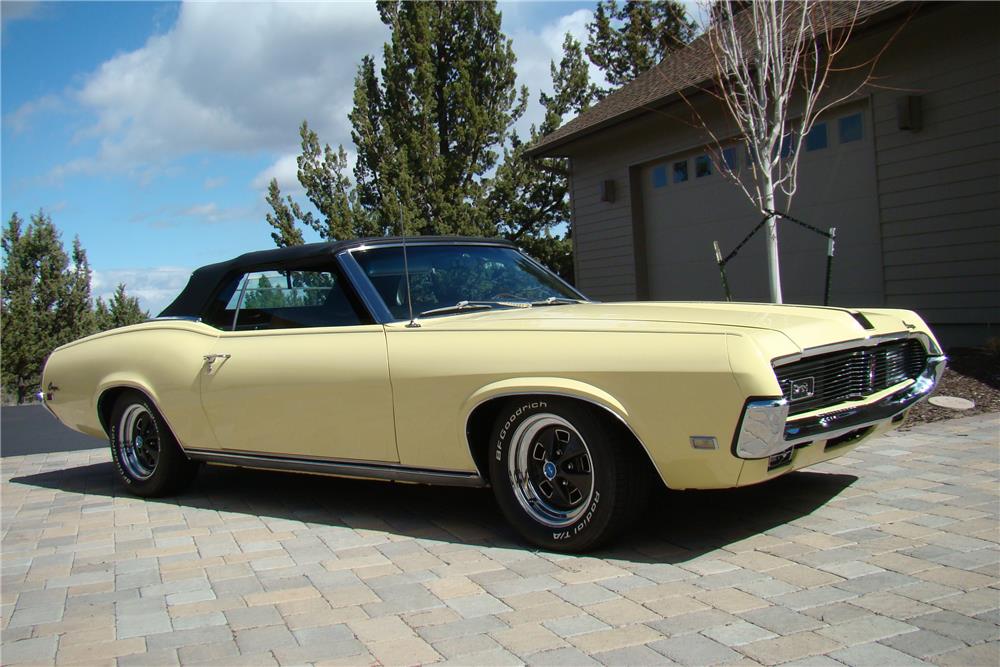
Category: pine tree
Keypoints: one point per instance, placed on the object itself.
(530, 196)
(429, 130)
(625, 41)
(75, 317)
(322, 172)
(35, 281)
(282, 217)
(102, 315)
(124, 310)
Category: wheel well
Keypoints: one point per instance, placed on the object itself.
(106, 403)
(482, 419)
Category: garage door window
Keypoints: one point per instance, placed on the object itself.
(816, 139)
(659, 176)
(680, 171)
(702, 166)
(729, 160)
(851, 128)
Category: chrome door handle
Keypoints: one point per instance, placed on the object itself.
(212, 358)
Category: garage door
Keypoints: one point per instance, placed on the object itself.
(688, 204)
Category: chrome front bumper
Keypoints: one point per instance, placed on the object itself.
(765, 429)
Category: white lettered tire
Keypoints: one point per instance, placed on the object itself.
(564, 476)
(147, 457)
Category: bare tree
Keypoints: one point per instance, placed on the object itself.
(773, 62)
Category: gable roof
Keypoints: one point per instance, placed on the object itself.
(679, 71)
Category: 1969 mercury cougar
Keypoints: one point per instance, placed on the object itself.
(463, 361)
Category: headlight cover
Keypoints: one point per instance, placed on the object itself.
(762, 428)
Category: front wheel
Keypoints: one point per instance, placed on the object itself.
(146, 454)
(562, 475)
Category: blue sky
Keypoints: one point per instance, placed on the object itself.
(151, 129)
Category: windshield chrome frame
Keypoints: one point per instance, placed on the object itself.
(373, 300)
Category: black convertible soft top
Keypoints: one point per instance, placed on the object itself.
(205, 282)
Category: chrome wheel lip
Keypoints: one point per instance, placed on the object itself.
(138, 451)
(527, 495)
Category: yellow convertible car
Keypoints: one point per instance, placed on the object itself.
(464, 361)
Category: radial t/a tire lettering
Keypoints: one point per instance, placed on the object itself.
(147, 458)
(563, 476)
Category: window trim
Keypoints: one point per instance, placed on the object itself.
(239, 302)
(373, 300)
(335, 267)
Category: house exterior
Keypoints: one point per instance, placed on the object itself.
(907, 170)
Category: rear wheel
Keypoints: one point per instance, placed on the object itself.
(146, 454)
(564, 477)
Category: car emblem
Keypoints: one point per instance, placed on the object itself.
(549, 470)
(803, 388)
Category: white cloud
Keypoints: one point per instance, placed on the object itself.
(229, 77)
(537, 49)
(285, 170)
(20, 119)
(206, 213)
(213, 183)
(155, 287)
(18, 10)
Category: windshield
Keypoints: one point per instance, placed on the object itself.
(445, 275)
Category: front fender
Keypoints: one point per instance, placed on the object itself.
(541, 385)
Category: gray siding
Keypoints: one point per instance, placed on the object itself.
(606, 260)
(939, 188)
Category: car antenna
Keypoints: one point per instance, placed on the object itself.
(406, 274)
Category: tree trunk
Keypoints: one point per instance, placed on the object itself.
(773, 264)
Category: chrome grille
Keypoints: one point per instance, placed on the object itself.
(829, 379)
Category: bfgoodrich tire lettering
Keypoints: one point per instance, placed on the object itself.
(562, 475)
(147, 458)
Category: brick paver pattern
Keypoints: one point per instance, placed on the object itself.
(887, 556)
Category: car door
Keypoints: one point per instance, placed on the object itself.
(302, 372)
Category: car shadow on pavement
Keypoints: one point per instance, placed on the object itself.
(677, 526)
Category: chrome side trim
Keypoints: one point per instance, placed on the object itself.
(364, 288)
(870, 341)
(396, 473)
(182, 318)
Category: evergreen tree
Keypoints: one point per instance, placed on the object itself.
(429, 130)
(530, 196)
(46, 301)
(628, 39)
(322, 174)
(123, 310)
(74, 314)
(102, 315)
(35, 281)
(282, 217)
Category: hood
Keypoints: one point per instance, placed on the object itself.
(805, 326)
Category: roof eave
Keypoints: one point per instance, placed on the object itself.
(549, 149)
